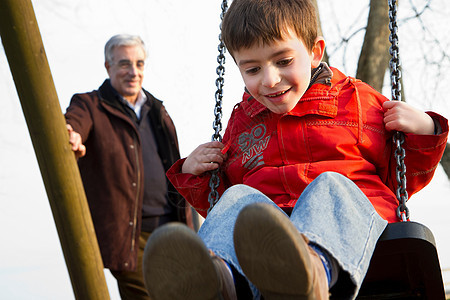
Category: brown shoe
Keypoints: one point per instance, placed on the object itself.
(276, 257)
(177, 265)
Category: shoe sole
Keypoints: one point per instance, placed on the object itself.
(177, 265)
(272, 253)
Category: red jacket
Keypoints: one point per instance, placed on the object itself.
(337, 127)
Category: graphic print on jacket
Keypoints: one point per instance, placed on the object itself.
(252, 145)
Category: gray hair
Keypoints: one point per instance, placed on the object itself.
(122, 40)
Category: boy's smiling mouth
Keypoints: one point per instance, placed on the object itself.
(274, 95)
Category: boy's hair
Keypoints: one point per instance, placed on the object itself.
(252, 22)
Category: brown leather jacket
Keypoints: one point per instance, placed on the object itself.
(112, 169)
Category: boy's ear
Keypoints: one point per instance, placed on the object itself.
(317, 52)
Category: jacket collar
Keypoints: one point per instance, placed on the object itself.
(111, 97)
(322, 75)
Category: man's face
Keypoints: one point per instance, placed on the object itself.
(277, 75)
(127, 71)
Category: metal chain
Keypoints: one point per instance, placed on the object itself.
(214, 182)
(398, 138)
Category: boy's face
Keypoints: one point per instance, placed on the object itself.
(277, 75)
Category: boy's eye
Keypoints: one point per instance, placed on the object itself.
(285, 62)
(252, 70)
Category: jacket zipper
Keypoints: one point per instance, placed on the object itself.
(136, 205)
(138, 184)
(315, 75)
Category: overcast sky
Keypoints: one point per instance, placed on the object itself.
(182, 38)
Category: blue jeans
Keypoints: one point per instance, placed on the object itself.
(332, 212)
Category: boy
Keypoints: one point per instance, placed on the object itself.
(306, 172)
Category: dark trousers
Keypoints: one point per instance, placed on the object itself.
(131, 284)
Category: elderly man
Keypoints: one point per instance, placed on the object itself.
(125, 141)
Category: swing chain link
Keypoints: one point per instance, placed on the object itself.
(398, 138)
(214, 182)
(402, 194)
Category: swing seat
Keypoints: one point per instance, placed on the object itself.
(404, 265)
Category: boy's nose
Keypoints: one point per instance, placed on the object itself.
(271, 77)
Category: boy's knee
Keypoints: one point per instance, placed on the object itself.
(334, 182)
(239, 191)
(242, 194)
(331, 177)
(238, 188)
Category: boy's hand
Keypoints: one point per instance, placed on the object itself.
(206, 157)
(401, 116)
(76, 142)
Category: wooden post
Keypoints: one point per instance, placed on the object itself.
(34, 83)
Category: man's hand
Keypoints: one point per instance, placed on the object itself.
(76, 142)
